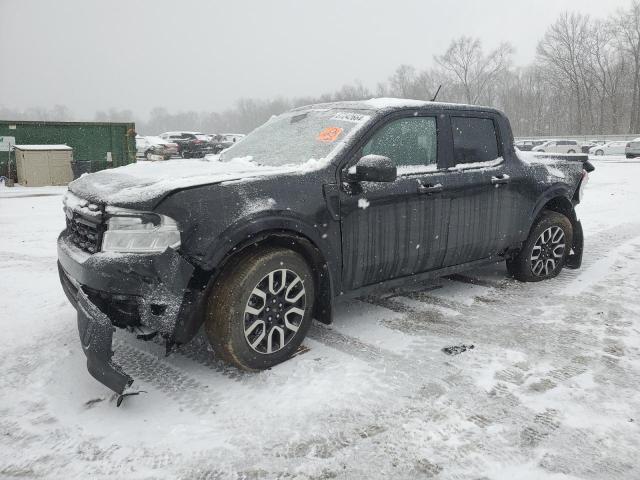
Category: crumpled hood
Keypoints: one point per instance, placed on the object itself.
(145, 183)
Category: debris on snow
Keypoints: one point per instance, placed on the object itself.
(457, 349)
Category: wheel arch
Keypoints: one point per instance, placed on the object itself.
(557, 199)
(284, 232)
(560, 204)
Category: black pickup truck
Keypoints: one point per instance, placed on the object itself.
(323, 201)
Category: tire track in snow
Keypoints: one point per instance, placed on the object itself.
(147, 368)
(539, 425)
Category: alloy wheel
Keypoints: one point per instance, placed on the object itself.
(548, 251)
(274, 311)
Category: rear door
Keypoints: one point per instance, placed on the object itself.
(399, 228)
(481, 221)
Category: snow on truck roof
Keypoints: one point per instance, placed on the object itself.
(394, 103)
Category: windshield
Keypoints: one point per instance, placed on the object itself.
(298, 136)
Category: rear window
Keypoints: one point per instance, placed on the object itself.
(474, 140)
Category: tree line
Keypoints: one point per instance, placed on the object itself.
(585, 79)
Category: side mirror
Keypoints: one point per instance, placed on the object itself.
(373, 168)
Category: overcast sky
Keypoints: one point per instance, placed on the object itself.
(203, 55)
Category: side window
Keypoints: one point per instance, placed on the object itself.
(410, 141)
(474, 140)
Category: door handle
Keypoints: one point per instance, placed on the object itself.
(500, 179)
(428, 188)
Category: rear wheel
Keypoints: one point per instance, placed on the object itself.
(545, 251)
(571, 151)
(599, 152)
(260, 308)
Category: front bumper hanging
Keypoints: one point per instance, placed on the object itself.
(96, 335)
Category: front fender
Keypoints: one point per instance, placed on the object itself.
(249, 230)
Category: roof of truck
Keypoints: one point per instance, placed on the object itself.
(381, 104)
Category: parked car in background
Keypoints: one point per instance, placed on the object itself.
(558, 146)
(234, 137)
(528, 145)
(191, 144)
(525, 145)
(585, 146)
(150, 147)
(255, 245)
(611, 148)
(219, 142)
(632, 149)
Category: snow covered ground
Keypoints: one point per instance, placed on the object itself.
(550, 389)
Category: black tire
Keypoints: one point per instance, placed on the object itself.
(524, 267)
(227, 320)
(185, 154)
(571, 151)
(599, 152)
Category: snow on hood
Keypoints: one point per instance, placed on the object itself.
(144, 181)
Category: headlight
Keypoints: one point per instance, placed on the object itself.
(139, 232)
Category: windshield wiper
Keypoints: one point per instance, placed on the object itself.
(297, 118)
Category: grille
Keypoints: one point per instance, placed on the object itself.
(85, 233)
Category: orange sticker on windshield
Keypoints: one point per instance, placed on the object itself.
(329, 134)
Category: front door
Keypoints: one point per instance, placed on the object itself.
(399, 228)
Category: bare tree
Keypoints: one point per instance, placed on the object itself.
(564, 52)
(628, 27)
(465, 61)
(403, 81)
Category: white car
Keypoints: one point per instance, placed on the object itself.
(151, 147)
(558, 146)
(611, 148)
(633, 148)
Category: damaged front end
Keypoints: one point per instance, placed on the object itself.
(150, 292)
(96, 336)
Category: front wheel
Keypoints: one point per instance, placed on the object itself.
(545, 251)
(571, 151)
(260, 308)
(599, 152)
